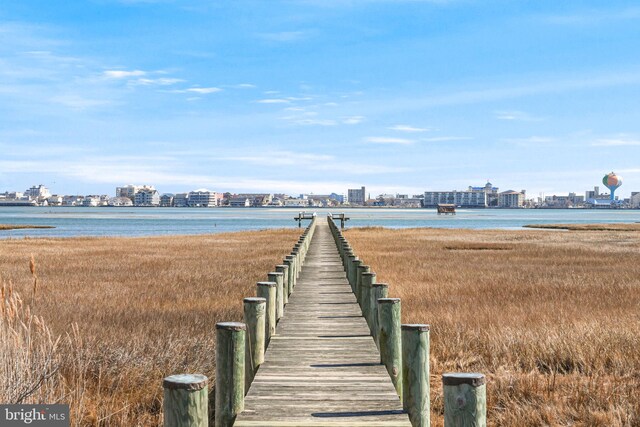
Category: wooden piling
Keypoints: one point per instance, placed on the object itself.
(368, 279)
(361, 269)
(255, 319)
(267, 290)
(465, 400)
(277, 278)
(289, 261)
(415, 373)
(378, 290)
(351, 265)
(230, 356)
(284, 269)
(186, 401)
(390, 339)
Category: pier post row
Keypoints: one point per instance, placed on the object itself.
(465, 399)
(267, 290)
(230, 357)
(186, 401)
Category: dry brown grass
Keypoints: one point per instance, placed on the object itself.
(129, 311)
(589, 227)
(552, 318)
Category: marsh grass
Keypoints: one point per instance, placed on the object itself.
(554, 321)
(107, 318)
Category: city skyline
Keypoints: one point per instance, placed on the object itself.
(316, 96)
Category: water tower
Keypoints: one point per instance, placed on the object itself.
(612, 182)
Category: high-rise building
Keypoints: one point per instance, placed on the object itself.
(356, 196)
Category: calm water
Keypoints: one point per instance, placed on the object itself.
(166, 221)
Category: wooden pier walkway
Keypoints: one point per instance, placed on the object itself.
(322, 367)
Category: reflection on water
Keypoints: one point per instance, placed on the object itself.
(169, 221)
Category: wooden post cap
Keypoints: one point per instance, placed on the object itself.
(282, 266)
(388, 300)
(458, 378)
(363, 266)
(267, 284)
(276, 273)
(191, 382)
(231, 326)
(255, 300)
(379, 285)
(368, 273)
(415, 327)
(352, 255)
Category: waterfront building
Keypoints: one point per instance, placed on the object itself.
(595, 194)
(203, 198)
(54, 200)
(166, 200)
(295, 202)
(634, 201)
(146, 197)
(119, 202)
(239, 202)
(180, 200)
(473, 197)
(91, 201)
(356, 196)
(511, 199)
(38, 192)
(257, 199)
(131, 190)
(72, 200)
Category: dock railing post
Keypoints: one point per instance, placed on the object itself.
(230, 348)
(368, 279)
(267, 290)
(289, 261)
(255, 318)
(361, 269)
(465, 400)
(415, 374)
(277, 278)
(378, 290)
(284, 269)
(390, 339)
(186, 401)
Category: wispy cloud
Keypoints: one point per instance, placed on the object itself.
(407, 128)
(619, 141)
(161, 81)
(446, 138)
(515, 115)
(353, 120)
(123, 74)
(273, 101)
(198, 90)
(530, 141)
(388, 140)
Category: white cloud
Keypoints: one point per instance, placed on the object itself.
(353, 120)
(619, 141)
(203, 90)
(77, 102)
(123, 74)
(446, 138)
(162, 81)
(386, 140)
(516, 116)
(530, 141)
(273, 101)
(407, 128)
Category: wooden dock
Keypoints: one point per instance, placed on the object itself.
(322, 367)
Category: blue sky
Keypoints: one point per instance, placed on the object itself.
(319, 95)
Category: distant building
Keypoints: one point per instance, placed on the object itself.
(257, 199)
(166, 200)
(595, 194)
(291, 202)
(239, 202)
(473, 197)
(511, 199)
(203, 198)
(131, 190)
(180, 200)
(356, 196)
(120, 202)
(91, 201)
(146, 197)
(38, 192)
(634, 201)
